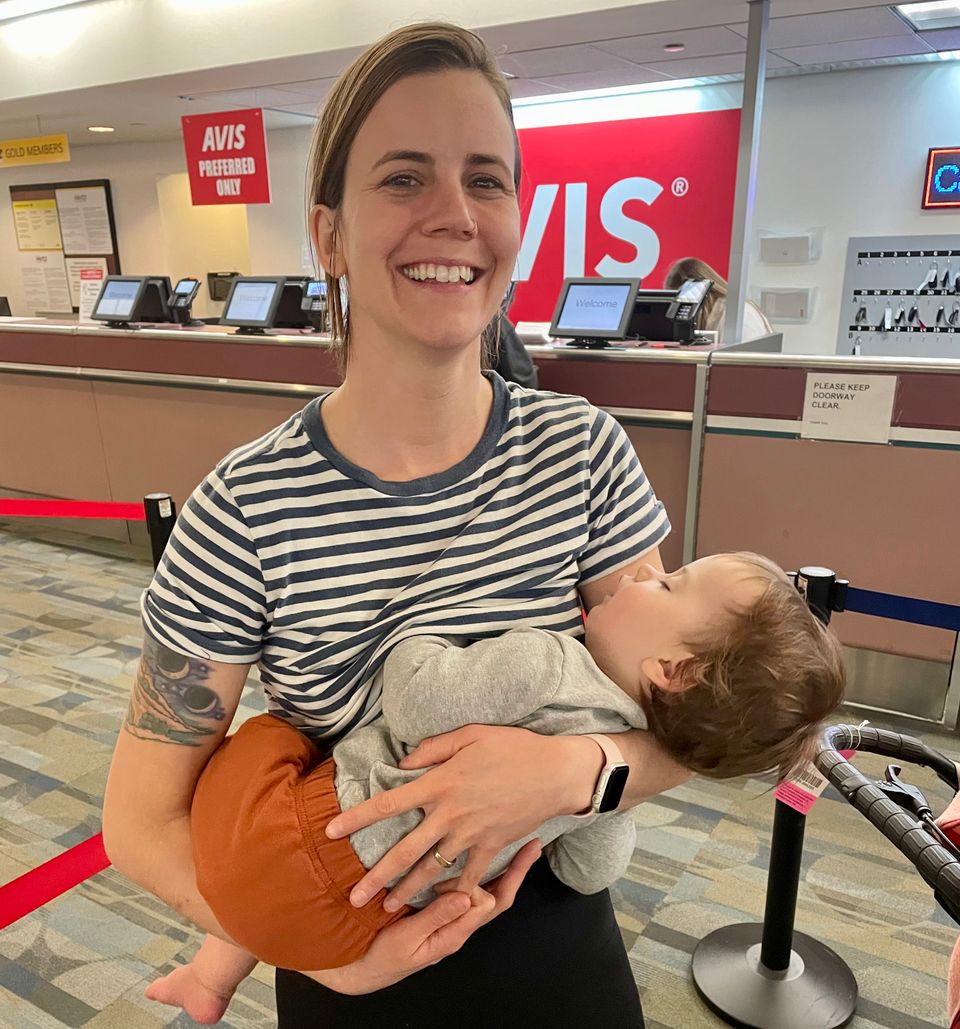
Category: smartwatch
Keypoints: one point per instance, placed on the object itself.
(613, 777)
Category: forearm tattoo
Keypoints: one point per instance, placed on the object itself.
(170, 702)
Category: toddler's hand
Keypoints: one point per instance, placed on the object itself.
(182, 988)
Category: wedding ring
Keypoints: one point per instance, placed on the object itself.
(441, 860)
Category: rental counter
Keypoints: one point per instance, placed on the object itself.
(97, 414)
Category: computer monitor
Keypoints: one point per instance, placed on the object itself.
(128, 299)
(594, 309)
(252, 303)
(649, 319)
(290, 313)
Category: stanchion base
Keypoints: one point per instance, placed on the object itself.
(818, 991)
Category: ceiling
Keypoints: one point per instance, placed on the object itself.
(572, 53)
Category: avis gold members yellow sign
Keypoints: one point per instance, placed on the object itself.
(36, 150)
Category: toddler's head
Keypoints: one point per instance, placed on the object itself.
(733, 670)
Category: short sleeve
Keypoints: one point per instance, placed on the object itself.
(207, 598)
(624, 517)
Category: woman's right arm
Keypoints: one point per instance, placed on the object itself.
(180, 710)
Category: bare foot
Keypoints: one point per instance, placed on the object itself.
(182, 989)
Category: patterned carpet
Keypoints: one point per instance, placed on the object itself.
(69, 642)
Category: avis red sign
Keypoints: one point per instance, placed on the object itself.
(227, 157)
(623, 198)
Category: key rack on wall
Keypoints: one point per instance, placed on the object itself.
(901, 297)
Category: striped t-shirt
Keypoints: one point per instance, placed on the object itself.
(289, 556)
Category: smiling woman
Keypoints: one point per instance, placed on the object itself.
(423, 496)
(393, 93)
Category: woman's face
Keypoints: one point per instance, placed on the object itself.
(428, 197)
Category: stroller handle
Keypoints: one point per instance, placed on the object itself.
(938, 867)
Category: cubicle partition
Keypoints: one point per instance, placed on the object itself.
(883, 516)
(657, 396)
(100, 414)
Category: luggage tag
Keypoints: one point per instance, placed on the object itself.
(803, 789)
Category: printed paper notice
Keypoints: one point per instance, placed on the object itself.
(76, 266)
(45, 286)
(84, 221)
(37, 225)
(91, 282)
(858, 408)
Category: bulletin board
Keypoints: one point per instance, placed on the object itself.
(63, 229)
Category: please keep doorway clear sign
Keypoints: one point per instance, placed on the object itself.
(857, 408)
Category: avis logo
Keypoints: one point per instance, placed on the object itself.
(612, 218)
(224, 137)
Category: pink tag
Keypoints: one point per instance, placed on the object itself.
(801, 792)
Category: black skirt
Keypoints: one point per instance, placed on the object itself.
(556, 959)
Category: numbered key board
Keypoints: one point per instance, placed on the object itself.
(901, 297)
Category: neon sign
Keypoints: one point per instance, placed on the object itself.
(941, 187)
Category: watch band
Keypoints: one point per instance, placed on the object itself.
(612, 778)
(610, 750)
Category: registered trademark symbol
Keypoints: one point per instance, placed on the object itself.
(680, 187)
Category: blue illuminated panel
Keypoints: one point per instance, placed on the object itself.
(942, 185)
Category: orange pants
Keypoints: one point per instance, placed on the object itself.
(277, 885)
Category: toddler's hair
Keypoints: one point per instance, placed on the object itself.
(756, 692)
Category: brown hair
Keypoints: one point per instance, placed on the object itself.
(412, 50)
(757, 690)
(694, 268)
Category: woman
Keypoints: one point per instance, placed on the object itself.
(713, 311)
(423, 495)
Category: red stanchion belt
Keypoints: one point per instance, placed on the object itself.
(41, 885)
(71, 509)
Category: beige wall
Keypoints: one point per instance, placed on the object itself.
(197, 240)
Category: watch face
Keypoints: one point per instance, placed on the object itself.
(613, 791)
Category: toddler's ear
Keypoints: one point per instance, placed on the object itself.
(665, 674)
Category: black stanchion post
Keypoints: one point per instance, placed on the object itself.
(783, 881)
(161, 514)
(768, 976)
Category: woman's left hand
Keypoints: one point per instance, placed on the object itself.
(491, 785)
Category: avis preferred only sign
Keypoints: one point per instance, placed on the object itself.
(227, 157)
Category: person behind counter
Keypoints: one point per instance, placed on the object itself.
(712, 313)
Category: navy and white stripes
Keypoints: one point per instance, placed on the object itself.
(288, 555)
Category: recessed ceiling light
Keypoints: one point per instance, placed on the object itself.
(100, 128)
(673, 48)
(10, 9)
(941, 14)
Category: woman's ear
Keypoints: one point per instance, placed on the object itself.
(323, 235)
(666, 674)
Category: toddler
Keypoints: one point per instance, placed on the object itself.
(722, 660)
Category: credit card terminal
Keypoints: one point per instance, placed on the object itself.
(181, 300)
(314, 303)
(686, 306)
(184, 293)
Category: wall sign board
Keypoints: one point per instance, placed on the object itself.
(941, 187)
(622, 199)
(35, 150)
(62, 228)
(227, 157)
